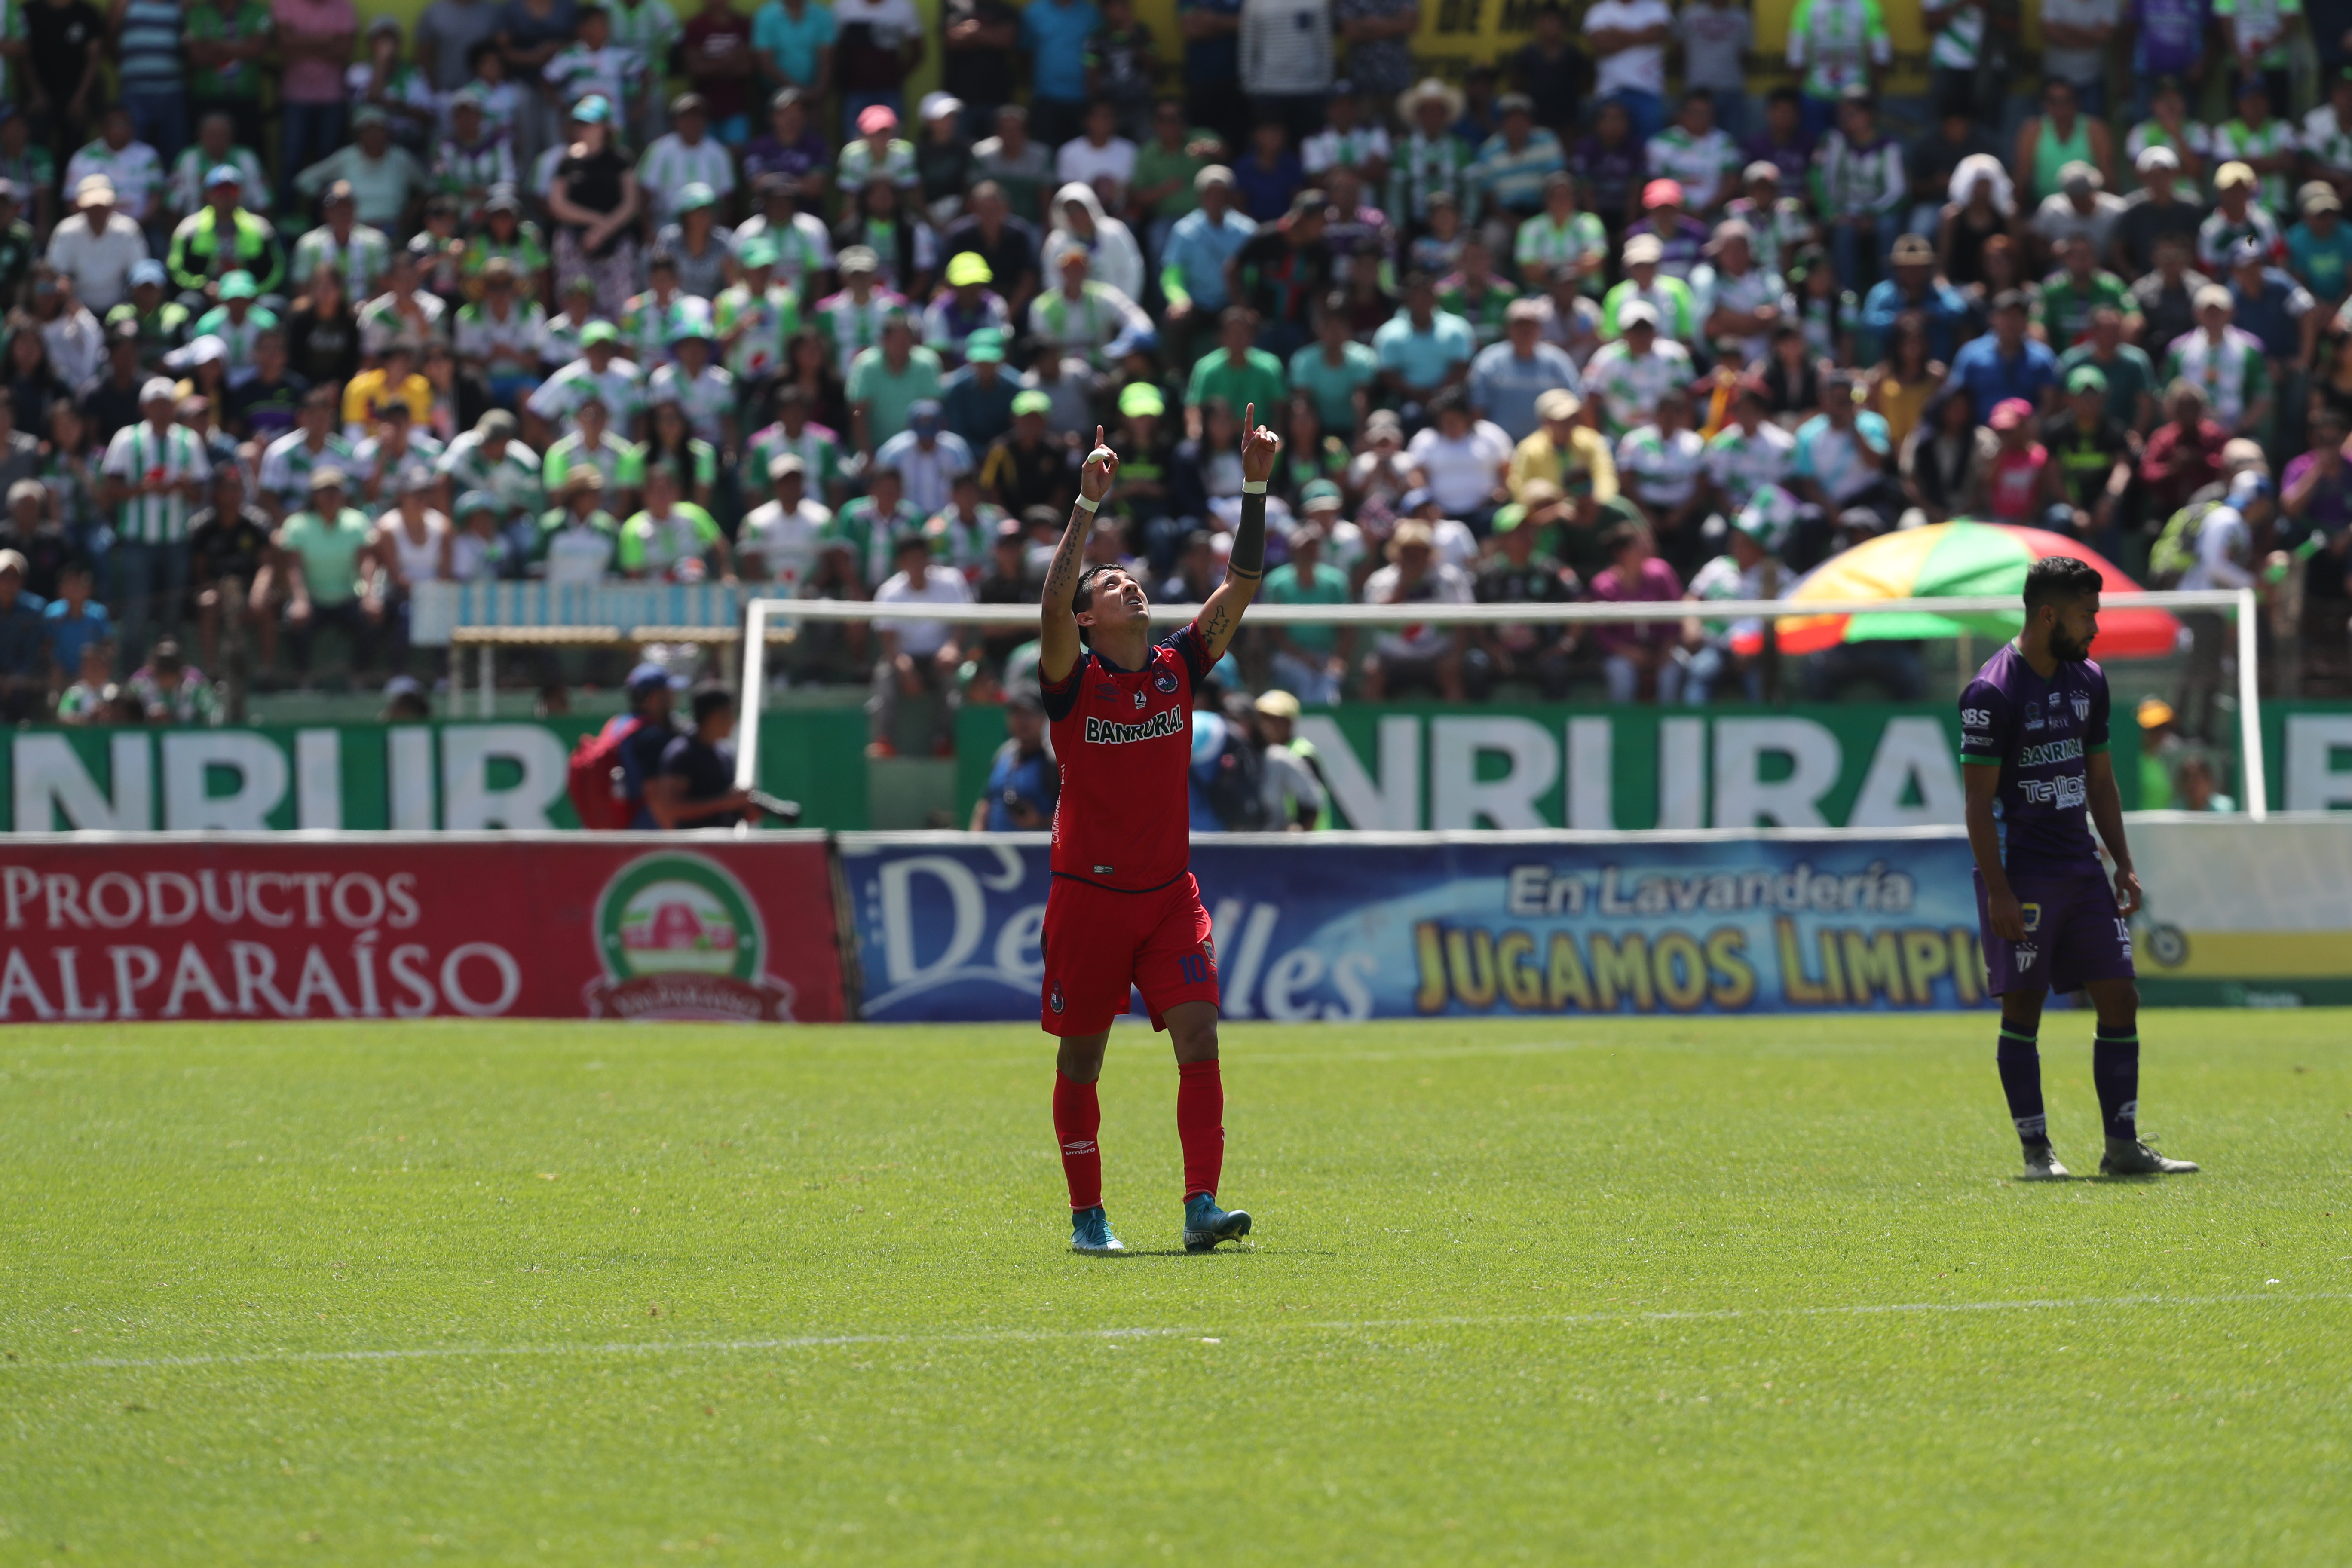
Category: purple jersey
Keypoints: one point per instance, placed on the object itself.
(2038, 733)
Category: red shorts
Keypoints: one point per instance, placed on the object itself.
(1098, 943)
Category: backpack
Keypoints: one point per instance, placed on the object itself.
(2175, 551)
(1233, 785)
(595, 780)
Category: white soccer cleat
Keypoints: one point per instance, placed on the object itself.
(2041, 1165)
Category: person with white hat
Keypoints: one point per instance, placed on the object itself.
(152, 473)
(2226, 360)
(1431, 158)
(1628, 373)
(1673, 310)
(2156, 209)
(97, 247)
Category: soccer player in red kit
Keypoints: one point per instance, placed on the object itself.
(1124, 910)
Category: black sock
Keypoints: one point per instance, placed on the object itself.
(2115, 1069)
(2021, 1079)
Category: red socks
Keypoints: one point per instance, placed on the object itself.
(1078, 1118)
(1201, 1124)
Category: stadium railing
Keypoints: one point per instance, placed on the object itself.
(763, 615)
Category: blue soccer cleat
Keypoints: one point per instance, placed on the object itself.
(1090, 1232)
(1205, 1224)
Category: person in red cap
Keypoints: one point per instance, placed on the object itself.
(1682, 238)
(2019, 484)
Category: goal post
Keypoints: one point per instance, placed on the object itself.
(763, 615)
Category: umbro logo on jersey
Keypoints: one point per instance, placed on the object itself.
(1080, 1146)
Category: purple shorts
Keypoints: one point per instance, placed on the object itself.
(2073, 936)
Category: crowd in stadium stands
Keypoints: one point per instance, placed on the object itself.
(302, 313)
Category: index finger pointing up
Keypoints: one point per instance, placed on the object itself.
(1098, 440)
(1249, 421)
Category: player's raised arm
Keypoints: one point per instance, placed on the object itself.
(1221, 617)
(1058, 643)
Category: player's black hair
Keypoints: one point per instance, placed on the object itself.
(709, 699)
(2060, 580)
(1082, 597)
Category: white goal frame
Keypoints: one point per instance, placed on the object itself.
(762, 615)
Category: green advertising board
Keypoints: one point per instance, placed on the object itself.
(360, 776)
(1403, 767)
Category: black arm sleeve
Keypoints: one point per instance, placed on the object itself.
(1248, 558)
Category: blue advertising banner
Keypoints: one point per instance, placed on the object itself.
(1418, 925)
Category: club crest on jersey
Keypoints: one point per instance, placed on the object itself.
(2032, 913)
(1054, 1001)
(2026, 953)
(1208, 950)
(1165, 680)
(2083, 706)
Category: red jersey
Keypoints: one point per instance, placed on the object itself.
(1124, 740)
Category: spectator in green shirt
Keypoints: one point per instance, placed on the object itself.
(1335, 369)
(887, 380)
(1237, 372)
(1310, 661)
(229, 49)
(1161, 190)
(322, 553)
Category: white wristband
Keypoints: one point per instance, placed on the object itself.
(1088, 506)
(1253, 486)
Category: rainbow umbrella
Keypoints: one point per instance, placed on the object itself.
(1957, 560)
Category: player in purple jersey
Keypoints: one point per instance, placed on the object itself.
(2033, 748)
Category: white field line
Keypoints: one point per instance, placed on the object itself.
(1017, 1336)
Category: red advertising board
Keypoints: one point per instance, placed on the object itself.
(552, 925)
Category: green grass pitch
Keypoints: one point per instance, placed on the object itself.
(1607, 1291)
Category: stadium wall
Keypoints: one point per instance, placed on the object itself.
(943, 928)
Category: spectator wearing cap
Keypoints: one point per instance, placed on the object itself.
(220, 238)
(595, 202)
(357, 253)
(886, 381)
(1507, 179)
(850, 323)
(699, 245)
(1405, 658)
(152, 472)
(2079, 208)
(778, 541)
(387, 182)
(1026, 466)
(577, 538)
(1675, 308)
(97, 247)
(2225, 360)
(1628, 373)
(1508, 379)
(2236, 215)
(1737, 303)
(1431, 159)
(967, 305)
(927, 457)
(216, 147)
(1086, 318)
(237, 320)
(1696, 154)
(2267, 301)
(1859, 186)
(601, 372)
(1521, 572)
(499, 336)
(2005, 363)
(976, 401)
(876, 152)
(1748, 569)
(2151, 214)
(756, 318)
(1682, 238)
(1913, 288)
(2091, 458)
(2319, 248)
(2063, 312)
(1024, 781)
(490, 459)
(704, 392)
(2018, 486)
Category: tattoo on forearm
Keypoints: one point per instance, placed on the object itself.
(1062, 576)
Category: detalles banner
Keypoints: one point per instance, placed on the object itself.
(127, 927)
(1424, 925)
